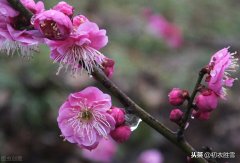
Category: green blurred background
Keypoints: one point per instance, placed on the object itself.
(146, 69)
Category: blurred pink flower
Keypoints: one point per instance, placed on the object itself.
(84, 117)
(64, 8)
(53, 24)
(221, 64)
(12, 37)
(150, 156)
(207, 100)
(104, 153)
(162, 28)
(80, 49)
(176, 115)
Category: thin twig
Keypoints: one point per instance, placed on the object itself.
(190, 104)
(17, 5)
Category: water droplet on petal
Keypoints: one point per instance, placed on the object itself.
(132, 121)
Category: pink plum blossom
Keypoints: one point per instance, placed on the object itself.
(53, 24)
(207, 101)
(104, 152)
(162, 28)
(221, 64)
(80, 49)
(150, 156)
(84, 119)
(13, 36)
(64, 8)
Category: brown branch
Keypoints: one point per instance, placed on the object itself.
(190, 103)
(147, 118)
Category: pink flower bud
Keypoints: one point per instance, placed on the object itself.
(78, 20)
(176, 115)
(64, 8)
(53, 24)
(121, 133)
(108, 67)
(177, 96)
(201, 115)
(207, 101)
(118, 114)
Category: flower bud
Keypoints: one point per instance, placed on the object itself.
(176, 115)
(177, 96)
(108, 67)
(118, 114)
(201, 115)
(207, 101)
(64, 8)
(121, 133)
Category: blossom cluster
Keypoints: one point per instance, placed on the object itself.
(87, 117)
(218, 77)
(74, 41)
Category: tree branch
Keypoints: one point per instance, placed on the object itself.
(147, 118)
(17, 5)
(190, 103)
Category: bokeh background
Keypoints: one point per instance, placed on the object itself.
(146, 69)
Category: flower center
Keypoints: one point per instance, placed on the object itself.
(51, 30)
(86, 115)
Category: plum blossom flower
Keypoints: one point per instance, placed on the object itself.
(80, 49)
(221, 65)
(151, 156)
(160, 27)
(53, 24)
(14, 36)
(84, 119)
(104, 153)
